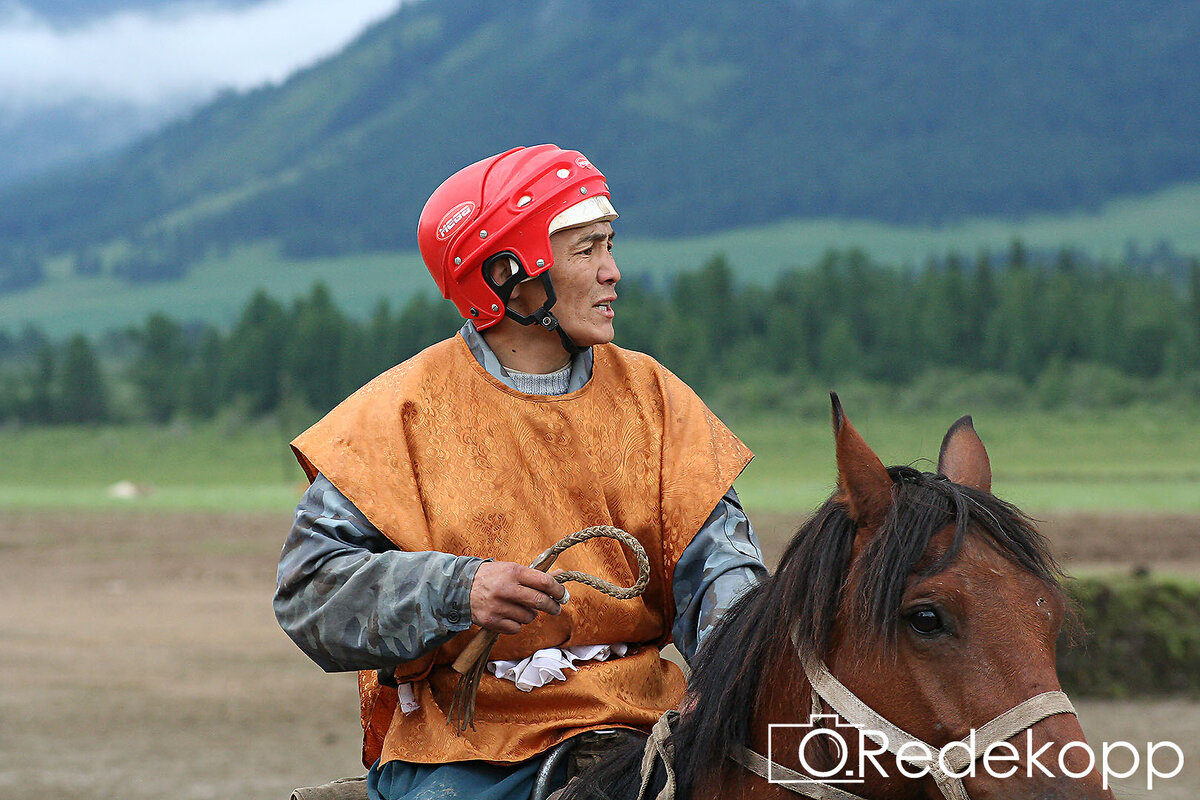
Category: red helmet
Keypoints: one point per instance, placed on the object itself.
(506, 206)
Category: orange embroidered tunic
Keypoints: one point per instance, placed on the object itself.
(440, 455)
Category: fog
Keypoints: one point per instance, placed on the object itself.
(190, 50)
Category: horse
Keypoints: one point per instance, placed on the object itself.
(913, 607)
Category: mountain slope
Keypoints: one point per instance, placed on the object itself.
(1130, 231)
(706, 115)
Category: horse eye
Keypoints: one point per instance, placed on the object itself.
(926, 622)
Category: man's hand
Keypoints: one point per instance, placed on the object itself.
(506, 595)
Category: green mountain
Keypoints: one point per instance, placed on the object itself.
(706, 115)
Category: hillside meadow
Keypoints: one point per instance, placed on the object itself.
(217, 287)
(1132, 459)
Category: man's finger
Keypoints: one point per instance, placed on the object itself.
(543, 602)
(536, 579)
(528, 597)
(502, 626)
(518, 613)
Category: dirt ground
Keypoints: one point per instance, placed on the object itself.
(139, 657)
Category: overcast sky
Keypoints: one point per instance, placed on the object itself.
(193, 49)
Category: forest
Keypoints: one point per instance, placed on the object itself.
(1009, 332)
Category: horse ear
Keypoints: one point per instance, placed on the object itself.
(864, 486)
(963, 458)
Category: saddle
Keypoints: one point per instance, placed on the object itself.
(658, 761)
(578, 753)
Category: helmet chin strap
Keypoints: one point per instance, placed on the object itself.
(543, 316)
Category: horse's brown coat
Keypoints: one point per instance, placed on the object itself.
(1000, 652)
(1002, 623)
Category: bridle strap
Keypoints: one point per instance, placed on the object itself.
(957, 755)
(659, 747)
(1009, 724)
(854, 710)
(781, 775)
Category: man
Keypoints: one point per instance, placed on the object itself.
(524, 427)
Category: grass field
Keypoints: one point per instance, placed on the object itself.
(216, 290)
(1132, 460)
(1110, 460)
(163, 650)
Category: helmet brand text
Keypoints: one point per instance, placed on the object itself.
(453, 219)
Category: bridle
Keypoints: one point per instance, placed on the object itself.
(957, 755)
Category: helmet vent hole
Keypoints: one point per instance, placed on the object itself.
(564, 173)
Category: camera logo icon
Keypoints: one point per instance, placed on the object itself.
(825, 749)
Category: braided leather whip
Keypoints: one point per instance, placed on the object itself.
(471, 663)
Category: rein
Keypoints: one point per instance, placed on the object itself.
(828, 688)
(472, 661)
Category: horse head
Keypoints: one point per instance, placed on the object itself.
(947, 618)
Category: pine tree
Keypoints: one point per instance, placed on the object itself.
(980, 307)
(841, 355)
(380, 346)
(937, 322)
(43, 395)
(202, 386)
(10, 398)
(158, 370)
(708, 296)
(254, 355)
(314, 351)
(962, 331)
(83, 396)
(1192, 304)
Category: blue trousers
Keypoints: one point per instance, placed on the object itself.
(470, 780)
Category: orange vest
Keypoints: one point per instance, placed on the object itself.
(440, 455)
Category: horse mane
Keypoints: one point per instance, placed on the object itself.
(805, 594)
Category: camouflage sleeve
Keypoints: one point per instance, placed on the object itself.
(719, 564)
(350, 600)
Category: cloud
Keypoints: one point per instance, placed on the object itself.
(148, 58)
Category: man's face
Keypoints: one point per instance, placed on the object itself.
(585, 278)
